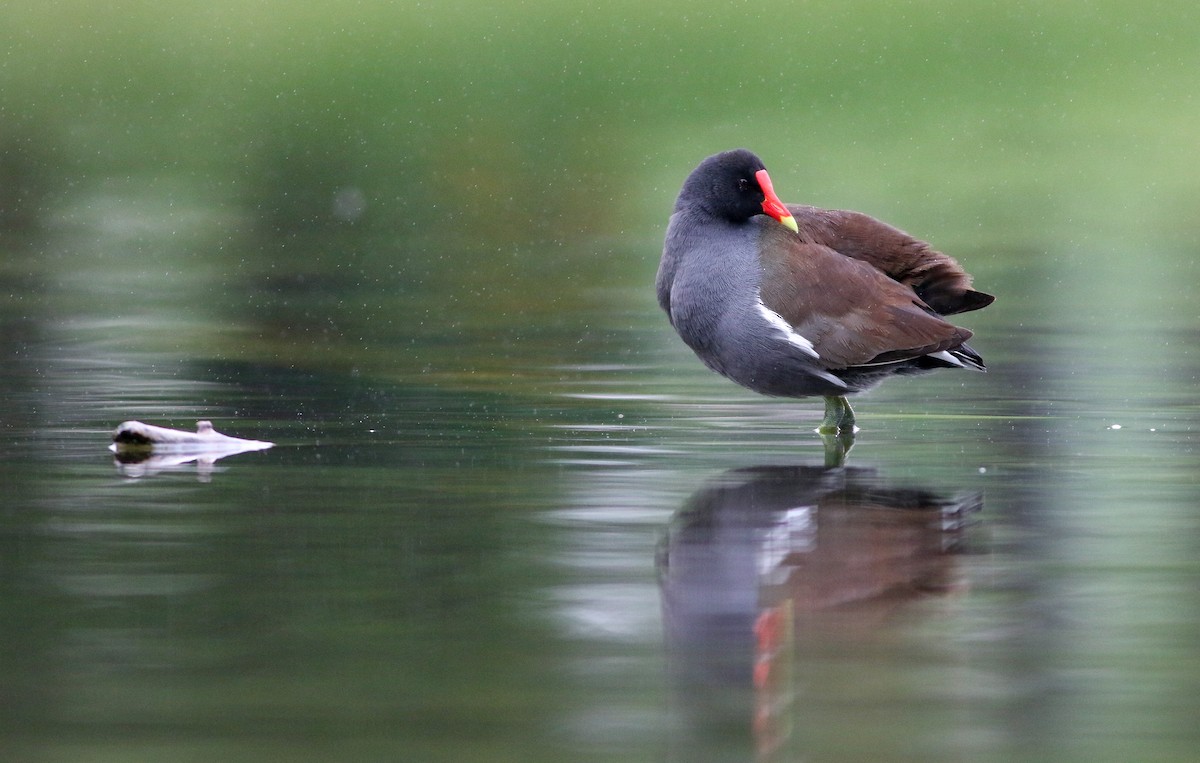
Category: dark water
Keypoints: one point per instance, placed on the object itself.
(508, 516)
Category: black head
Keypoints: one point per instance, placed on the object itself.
(734, 186)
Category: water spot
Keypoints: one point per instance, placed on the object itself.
(349, 203)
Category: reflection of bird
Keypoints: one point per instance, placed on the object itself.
(764, 555)
(763, 560)
(814, 302)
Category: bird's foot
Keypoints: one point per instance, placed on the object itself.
(837, 430)
(839, 417)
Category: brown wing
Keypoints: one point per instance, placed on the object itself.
(936, 278)
(852, 313)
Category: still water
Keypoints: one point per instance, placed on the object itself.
(627, 559)
(508, 516)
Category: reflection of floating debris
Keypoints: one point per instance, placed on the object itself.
(144, 448)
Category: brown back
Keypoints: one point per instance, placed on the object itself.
(852, 312)
(935, 277)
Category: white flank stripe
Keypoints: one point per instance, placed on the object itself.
(785, 328)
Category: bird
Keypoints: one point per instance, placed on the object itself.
(794, 301)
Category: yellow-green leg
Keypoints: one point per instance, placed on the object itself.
(838, 415)
(837, 430)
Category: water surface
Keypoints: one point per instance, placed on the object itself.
(577, 570)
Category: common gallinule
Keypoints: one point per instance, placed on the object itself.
(794, 301)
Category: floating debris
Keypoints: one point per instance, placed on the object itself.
(134, 435)
(144, 449)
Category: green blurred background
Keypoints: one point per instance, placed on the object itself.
(356, 184)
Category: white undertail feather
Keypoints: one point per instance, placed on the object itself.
(946, 356)
(962, 361)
